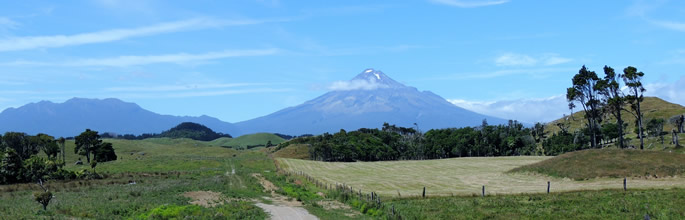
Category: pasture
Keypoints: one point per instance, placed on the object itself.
(458, 176)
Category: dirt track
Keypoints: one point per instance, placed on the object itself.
(282, 208)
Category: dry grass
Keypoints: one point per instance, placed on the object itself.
(617, 163)
(456, 176)
(295, 151)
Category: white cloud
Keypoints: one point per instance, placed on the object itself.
(672, 92)
(525, 110)
(469, 3)
(123, 61)
(511, 59)
(355, 85)
(34, 42)
(514, 59)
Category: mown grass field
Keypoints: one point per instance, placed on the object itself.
(458, 176)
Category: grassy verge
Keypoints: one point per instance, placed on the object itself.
(613, 163)
(606, 204)
(163, 170)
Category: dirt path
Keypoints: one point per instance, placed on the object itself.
(282, 207)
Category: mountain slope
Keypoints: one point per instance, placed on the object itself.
(367, 101)
(104, 115)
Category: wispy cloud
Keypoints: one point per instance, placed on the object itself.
(35, 42)
(532, 72)
(123, 61)
(469, 3)
(514, 59)
(672, 25)
(672, 92)
(642, 9)
(6, 23)
(169, 88)
(355, 85)
(526, 110)
(189, 94)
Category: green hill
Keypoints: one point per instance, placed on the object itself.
(193, 131)
(616, 163)
(652, 107)
(248, 141)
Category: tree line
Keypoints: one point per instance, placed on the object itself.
(20, 161)
(401, 143)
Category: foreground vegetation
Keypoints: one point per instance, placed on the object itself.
(605, 204)
(615, 163)
(149, 180)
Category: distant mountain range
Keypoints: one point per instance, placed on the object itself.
(367, 101)
(104, 115)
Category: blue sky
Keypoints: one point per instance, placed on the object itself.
(236, 60)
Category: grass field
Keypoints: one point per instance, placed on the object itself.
(605, 204)
(458, 176)
(247, 140)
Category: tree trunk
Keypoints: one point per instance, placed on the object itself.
(88, 154)
(619, 121)
(639, 121)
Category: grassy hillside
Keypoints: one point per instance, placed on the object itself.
(294, 151)
(247, 140)
(652, 107)
(614, 163)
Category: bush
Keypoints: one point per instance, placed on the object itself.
(10, 167)
(105, 152)
(34, 169)
(43, 198)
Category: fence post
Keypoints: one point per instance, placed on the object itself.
(483, 190)
(424, 192)
(624, 184)
(547, 187)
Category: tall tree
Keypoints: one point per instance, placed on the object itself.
(24, 145)
(584, 91)
(633, 80)
(610, 89)
(48, 144)
(61, 141)
(86, 142)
